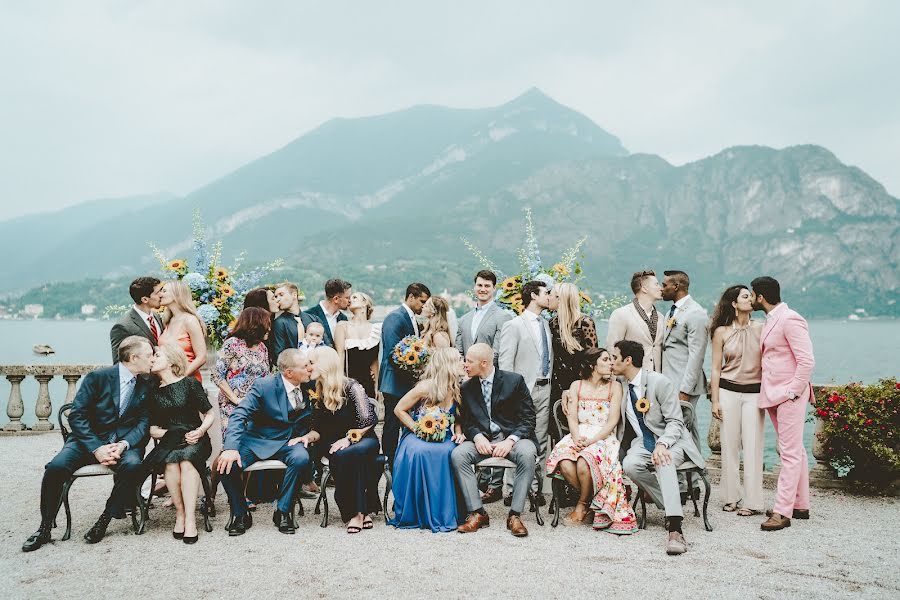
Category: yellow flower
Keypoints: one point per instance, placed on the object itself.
(231, 324)
(427, 425)
(354, 435)
(510, 283)
(585, 298)
(177, 264)
(561, 270)
(221, 273)
(218, 301)
(418, 346)
(227, 291)
(313, 394)
(642, 405)
(444, 422)
(671, 322)
(515, 299)
(410, 359)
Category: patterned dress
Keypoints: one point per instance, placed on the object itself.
(611, 509)
(240, 366)
(567, 367)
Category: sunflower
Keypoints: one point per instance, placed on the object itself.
(354, 435)
(585, 298)
(418, 346)
(427, 425)
(510, 283)
(642, 405)
(444, 422)
(313, 395)
(176, 265)
(410, 359)
(561, 270)
(219, 301)
(221, 273)
(227, 291)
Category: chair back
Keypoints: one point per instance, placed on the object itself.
(687, 415)
(562, 422)
(63, 417)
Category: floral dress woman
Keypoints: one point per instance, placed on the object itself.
(612, 512)
(239, 366)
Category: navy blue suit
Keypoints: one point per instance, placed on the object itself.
(319, 314)
(95, 422)
(393, 382)
(284, 332)
(259, 429)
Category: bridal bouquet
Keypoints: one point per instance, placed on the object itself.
(434, 424)
(410, 355)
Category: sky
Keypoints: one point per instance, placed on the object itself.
(111, 99)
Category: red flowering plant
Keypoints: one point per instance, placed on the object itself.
(861, 432)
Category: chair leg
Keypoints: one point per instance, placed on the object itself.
(65, 501)
(388, 485)
(554, 503)
(706, 500)
(537, 496)
(138, 523)
(204, 480)
(323, 496)
(642, 520)
(690, 486)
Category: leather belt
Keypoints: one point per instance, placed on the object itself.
(543, 381)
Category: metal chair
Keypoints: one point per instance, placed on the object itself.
(94, 470)
(689, 469)
(322, 502)
(558, 486)
(503, 463)
(269, 465)
(204, 509)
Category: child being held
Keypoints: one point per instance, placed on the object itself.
(315, 333)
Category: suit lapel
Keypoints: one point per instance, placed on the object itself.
(770, 325)
(282, 398)
(139, 322)
(488, 313)
(530, 333)
(116, 388)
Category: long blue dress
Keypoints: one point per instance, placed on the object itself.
(425, 495)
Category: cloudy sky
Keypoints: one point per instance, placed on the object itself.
(106, 99)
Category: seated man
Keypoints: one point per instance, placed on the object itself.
(652, 432)
(497, 417)
(268, 424)
(110, 426)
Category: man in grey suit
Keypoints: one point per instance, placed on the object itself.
(140, 319)
(652, 434)
(684, 341)
(526, 349)
(482, 324)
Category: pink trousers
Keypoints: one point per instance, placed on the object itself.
(789, 417)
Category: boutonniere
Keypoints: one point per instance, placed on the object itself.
(354, 435)
(642, 405)
(313, 395)
(671, 322)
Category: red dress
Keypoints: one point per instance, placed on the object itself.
(184, 342)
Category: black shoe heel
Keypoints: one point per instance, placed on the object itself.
(190, 539)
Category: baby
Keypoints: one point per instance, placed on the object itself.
(315, 333)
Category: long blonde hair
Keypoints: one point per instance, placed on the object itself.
(331, 380)
(181, 293)
(569, 314)
(442, 374)
(438, 321)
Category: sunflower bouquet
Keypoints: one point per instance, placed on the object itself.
(434, 424)
(410, 355)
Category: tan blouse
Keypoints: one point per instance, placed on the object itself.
(742, 354)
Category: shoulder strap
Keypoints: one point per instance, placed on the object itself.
(580, 383)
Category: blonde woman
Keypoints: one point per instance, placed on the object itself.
(573, 333)
(343, 426)
(358, 341)
(436, 332)
(180, 416)
(424, 490)
(184, 327)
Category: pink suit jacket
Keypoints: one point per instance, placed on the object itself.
(787, 358)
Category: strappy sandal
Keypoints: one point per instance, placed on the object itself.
(353, 529)
(731, 506)
(367, 523)
(747, 512)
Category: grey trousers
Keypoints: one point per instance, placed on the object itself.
(540, 397)
(662, 482)
(464, 457)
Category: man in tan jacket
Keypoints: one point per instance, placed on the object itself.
(639, 321)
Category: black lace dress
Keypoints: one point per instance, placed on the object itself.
(177, 407)
(567, 366)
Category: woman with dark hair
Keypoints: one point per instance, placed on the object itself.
(734, 391)
(587, 458)
(241, 361)
(261, 298)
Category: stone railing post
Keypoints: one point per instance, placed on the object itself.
(44, 406)
(715, 444)
(72, 381)
(15, 408)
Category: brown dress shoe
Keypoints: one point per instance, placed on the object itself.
(474, 522)
(491, 495)
(799, 513)
(675, 544)
(516, 526)
(775, 522)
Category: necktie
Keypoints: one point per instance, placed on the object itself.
(486, 394)
(649, 438)
(153, 329)
(125, 396)
(296, 398)
(671, 311)
(545, 349)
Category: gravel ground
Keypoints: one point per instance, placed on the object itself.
(847, 549)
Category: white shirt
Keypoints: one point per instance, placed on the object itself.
(478, 317)
(679, 303)
(127, 380)
(146, 318)
(537, 323)
(489, 379)
(331, 318)
(629, 408)
(289, 388)
(412, 316)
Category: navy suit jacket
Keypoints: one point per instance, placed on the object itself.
(94, 418)
(319, 314)
(391, 380)
(284, 332)
(511, 407)
(261, 423)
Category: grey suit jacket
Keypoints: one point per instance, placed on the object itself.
(684, 348)
(130, 324)
(520, 349)
(664, 418)
(489, 329)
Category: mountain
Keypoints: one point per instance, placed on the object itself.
(385, 199)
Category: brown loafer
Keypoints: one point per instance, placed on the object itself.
(516, 526)
(491, 495)
(474, 522)
(675, 544)
(799, 513)
(775, 522)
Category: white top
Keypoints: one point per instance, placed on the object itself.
(330, 317)
(366, 343)
(536, 322)
(478, 317)
(412, 316)
(629, 407)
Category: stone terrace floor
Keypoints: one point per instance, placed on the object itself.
(848, 549)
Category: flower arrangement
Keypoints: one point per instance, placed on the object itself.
(218, 292)
(410, 355)
(567, 269)
(861, 425)
(433, 424)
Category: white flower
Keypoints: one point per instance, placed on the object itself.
(208, 313)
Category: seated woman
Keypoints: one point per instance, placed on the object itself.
(343, 424)
(183, 445)
(424, 489)
(588, 456)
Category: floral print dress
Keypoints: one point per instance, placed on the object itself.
(240, 366)
(612, 512)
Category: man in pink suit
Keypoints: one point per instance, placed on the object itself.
(787, 364)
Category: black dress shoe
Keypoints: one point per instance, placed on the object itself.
(240, 525)
(178, 535)
(96, 533)
(37, 539)
(284, 522)
(507, 500)
(190, 539)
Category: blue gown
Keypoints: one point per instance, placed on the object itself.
(425, 494)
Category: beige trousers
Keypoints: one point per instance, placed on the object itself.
(742, 428)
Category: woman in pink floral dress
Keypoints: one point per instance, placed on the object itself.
(588, 456)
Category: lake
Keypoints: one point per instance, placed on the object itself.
(845, 351)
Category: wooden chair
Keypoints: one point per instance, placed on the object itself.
(503, 463)
(94, 470)
(380, 460)
(689, 469)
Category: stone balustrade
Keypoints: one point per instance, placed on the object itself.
(43, 408)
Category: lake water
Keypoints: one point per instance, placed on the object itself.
(845, 351)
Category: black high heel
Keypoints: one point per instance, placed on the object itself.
(190, 539)
(178, 535)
